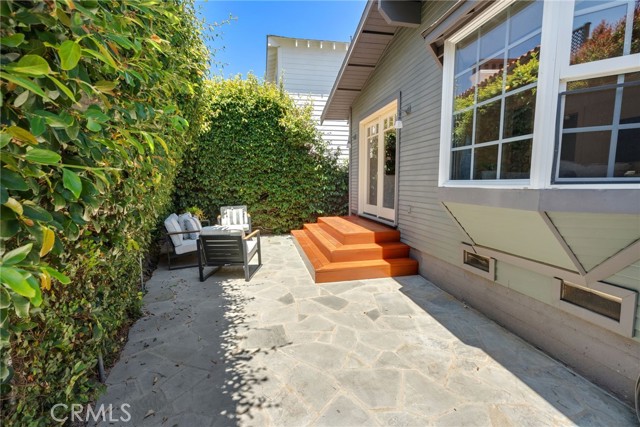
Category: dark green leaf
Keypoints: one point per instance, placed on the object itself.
(42, 156)
(36, 213)
(13, 40)
(72, 182)
(12, 180)
(5, 300)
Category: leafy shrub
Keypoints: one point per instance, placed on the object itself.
(261, 150)
(96, 100)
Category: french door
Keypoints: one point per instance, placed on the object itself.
(378, 151)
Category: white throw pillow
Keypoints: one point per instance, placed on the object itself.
(190, 224)
(172, 225)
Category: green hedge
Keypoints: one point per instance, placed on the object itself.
(261, 150)
(96, 101)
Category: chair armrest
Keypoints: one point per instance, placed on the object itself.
(255, 233)
(219, 219)
(180, 232)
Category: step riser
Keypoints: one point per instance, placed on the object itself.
(361, 238)
(346, 254)
(362, 274)
(368, 254)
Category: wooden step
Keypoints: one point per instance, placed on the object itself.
(338, 252)
(356, 230)
(350, 248)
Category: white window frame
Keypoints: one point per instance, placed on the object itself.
(553, 74)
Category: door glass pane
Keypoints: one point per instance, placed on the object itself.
(598, 35)
(523, 60)
(464, 90)
(389, 168)
(493, 36)
(372, 168)
(585, 155)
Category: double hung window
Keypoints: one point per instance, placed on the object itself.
(559, 81)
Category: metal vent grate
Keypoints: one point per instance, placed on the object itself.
(605, 305)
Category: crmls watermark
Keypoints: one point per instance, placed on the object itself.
(100, 413)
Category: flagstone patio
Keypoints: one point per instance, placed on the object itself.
(282, 351)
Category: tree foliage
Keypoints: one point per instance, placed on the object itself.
(261, 150)
(97, 97)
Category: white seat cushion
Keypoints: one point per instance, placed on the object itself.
(187, 246)
(172, 226)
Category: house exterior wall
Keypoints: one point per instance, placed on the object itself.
(521, 299)
(308, 72)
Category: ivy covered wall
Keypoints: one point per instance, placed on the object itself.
(98, 101)
(259, 149)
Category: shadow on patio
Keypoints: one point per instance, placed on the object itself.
(280, 350)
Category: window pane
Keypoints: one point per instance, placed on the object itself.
(493, 36)
(589, 109)
(462, 128)
(586, 4)
(523, 63)
(635, 34)
(519, 112)
(598, 35)
(461, 164)
(372, 149)
(488, 122)
(516, 160)
(584, 155)
(490, 79)
(464, 90)
(630, 112)
(524, 22)
(389, 179)
(628, 154)
(466, 53)
(485, 162)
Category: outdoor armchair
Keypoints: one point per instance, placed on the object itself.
(235, 217)
(182, 236)
(220, 246)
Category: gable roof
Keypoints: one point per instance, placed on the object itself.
(371, 39)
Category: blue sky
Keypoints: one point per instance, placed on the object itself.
(241, 44)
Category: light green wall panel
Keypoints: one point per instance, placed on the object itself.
(594, 238)
(526, 282)
(629, 277)
(519, 232)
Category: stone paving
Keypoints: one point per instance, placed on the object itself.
(282, 351)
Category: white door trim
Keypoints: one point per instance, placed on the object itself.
(364, 208)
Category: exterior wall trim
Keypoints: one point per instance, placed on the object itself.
(563, 243)
(618, 201)
(617, 262)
